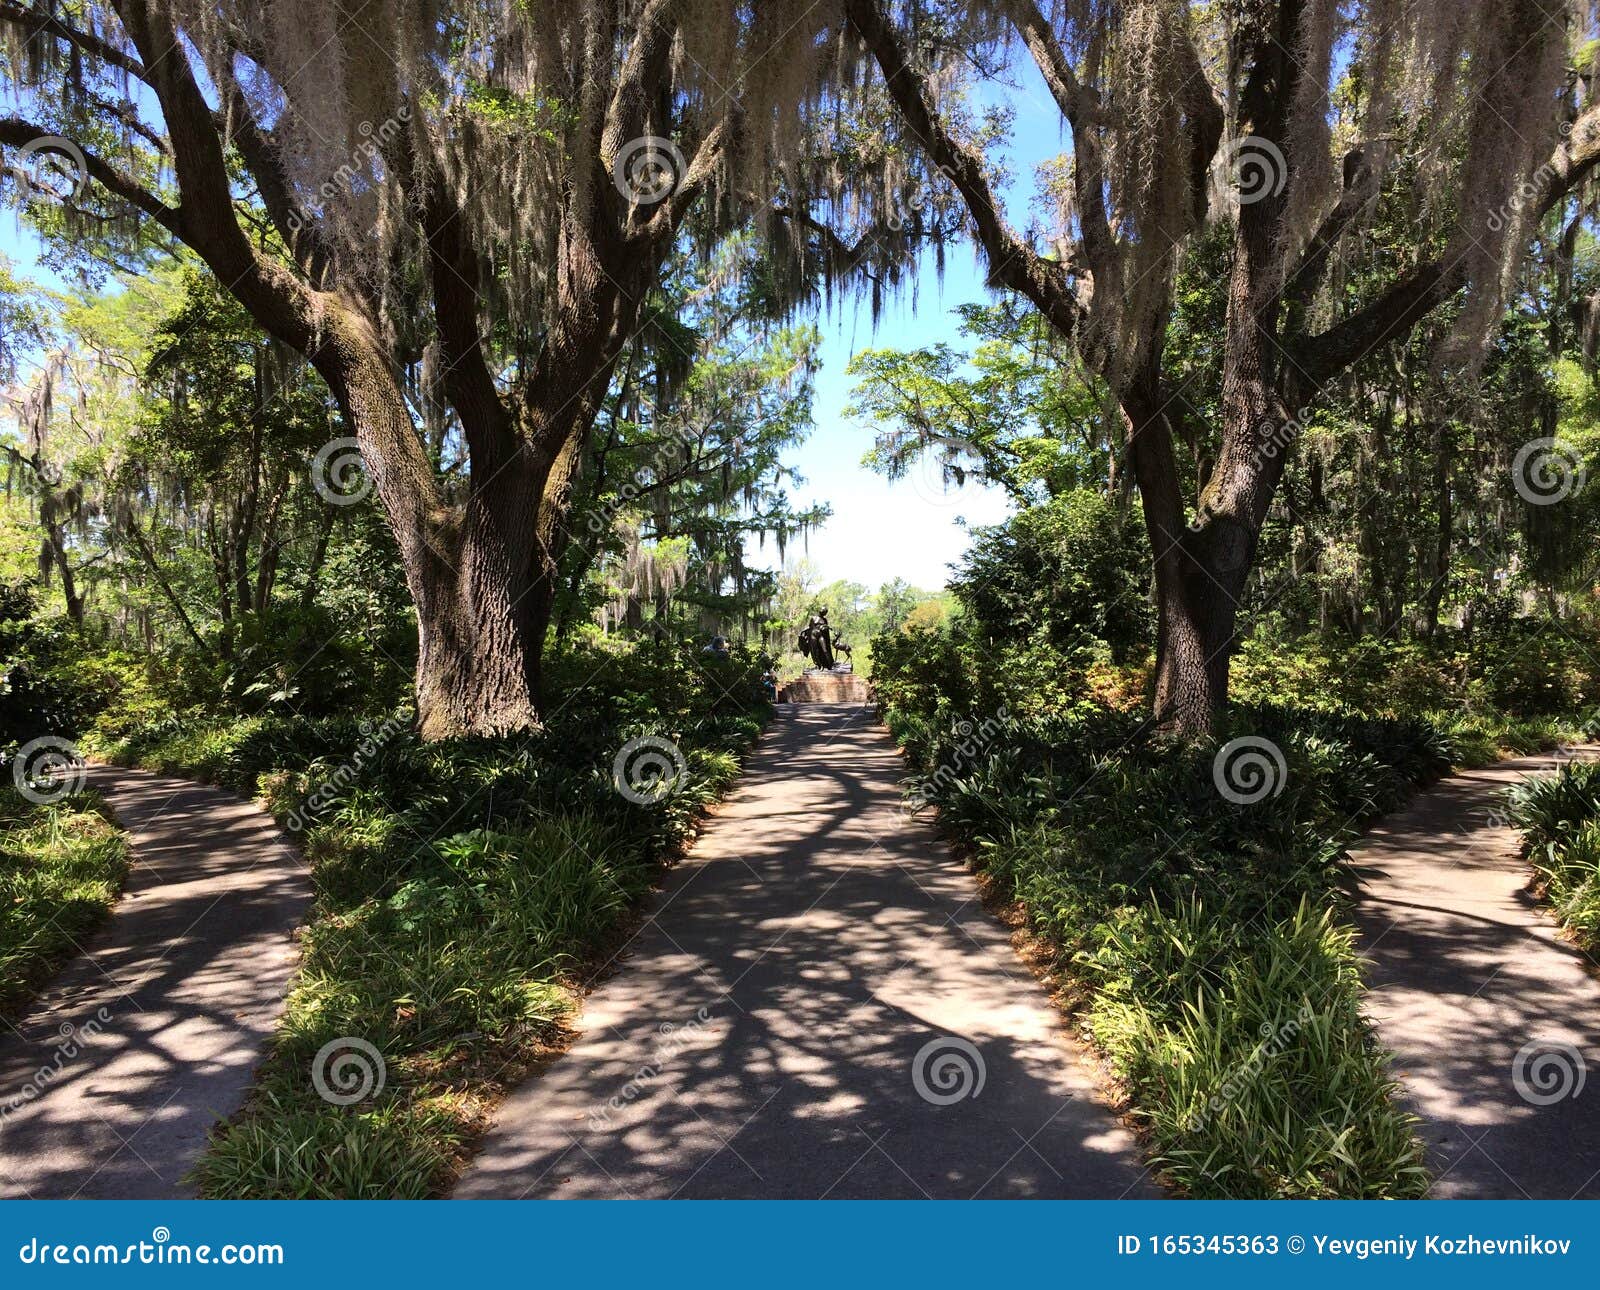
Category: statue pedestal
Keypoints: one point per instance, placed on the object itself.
(825, 687)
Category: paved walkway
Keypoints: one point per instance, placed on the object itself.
(1467, 973)
(818, 1006)
(113, 1079)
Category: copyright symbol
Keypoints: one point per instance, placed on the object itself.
(1297, 1245)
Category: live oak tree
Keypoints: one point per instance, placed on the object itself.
(456, 213)
(1281, 120)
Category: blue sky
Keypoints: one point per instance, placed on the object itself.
(908, 529)
(880, 530)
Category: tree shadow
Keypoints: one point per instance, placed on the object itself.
(817, 1006)
(170, 1005)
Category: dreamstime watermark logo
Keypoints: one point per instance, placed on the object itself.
(971, 740)
(947, 1070)
(1248, 769)
(648, 769)
(31, 169)
(938, 474)
(674, 1039)
(648, 169)
(160, 1250)
(1546, 471)
(347, 1070)
(1496, 817)
(74, 1038)
(327, 792)
(353, 174)
(338, 474)
(1274, 1039)
(1274, 437)
(47, 770)
(901, 213)
(1529, 191)
(1547, 1071)
(676, 446)
(1250, 169)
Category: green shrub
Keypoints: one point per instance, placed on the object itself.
(1527, 666)
(290, 657)
(461, 887)
(1198, 927)
(1559, 817)
(1505, 673)
(61, 867)
(45, 689)
(1071, 571)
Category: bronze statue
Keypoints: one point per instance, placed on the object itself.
(816, 641)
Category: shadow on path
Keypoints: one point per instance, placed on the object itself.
(1467, 972)
(110, 1083)
(815, 966)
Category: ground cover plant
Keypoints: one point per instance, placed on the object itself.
(1204, 934)
(62, 865)
(464, 890)
(1558, 816)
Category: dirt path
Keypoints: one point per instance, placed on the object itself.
(818, 1006)
(1493, 1018)
(112, 1080)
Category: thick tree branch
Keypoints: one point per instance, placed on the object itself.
(34, 22)
(1206, 121)
(674, 210)
(1081, 112)
(19, 133)
(647, 64)
(468, 382)
(260, 158)
(1395, 311)
(1361, 185)
(1012, 263)
(207, 222)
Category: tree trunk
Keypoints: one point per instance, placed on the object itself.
(483, 576)
(481, 615)
(476, 663)
(1198, 586)
(1202, 566)
(57, 540)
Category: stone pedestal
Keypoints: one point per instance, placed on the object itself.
(825, 687)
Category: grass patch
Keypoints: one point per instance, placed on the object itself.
(1559, 817)
(61, 868)
(465, 891)
(1204, 941)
